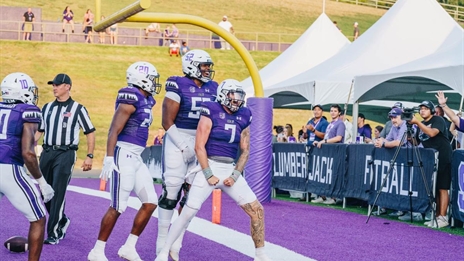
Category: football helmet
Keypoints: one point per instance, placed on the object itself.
(145, 76)
(231, 94)
(191, 65)
(19, 87)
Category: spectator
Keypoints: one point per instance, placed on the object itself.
(153, 27)
(336, 25)
(334, 133)
(114, 34)
(226, 25)
(88, 23)
(348, 128)
(302, 136)
(377, 131)
(439, 112)
(355, 31)
(388, 124)
(68, 18)
(159, 137)
(364, 130)
(174, 48)
(174, 33)
(29, 18)
(316, 127)
(101, 35)
(432, 133)
(279, 129)
(184, 48)
(167, 35)
(288, 134)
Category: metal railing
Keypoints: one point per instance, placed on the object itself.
(456, 11)
(52, 32)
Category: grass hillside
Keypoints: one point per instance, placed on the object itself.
(98, 71)
(286, 16)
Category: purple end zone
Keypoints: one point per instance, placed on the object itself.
(317, 232)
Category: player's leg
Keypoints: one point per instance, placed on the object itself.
(18, 187)
(36, 238)
(121, 185)
(173, 178)
(146, 193)
(241, 193)
(199, 192)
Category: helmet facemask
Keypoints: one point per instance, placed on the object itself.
(231, 95)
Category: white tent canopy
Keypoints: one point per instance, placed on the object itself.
(441, 70)
(410, 30)
(320, 41)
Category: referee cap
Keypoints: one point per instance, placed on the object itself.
(60, 79)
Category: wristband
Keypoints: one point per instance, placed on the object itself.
(41, 181)
(208, 173)
(443, 105)
(235, 175)
(383, 144)
(325, 140)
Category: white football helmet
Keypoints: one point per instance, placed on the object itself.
(145, 76)
(19, 87)
(191, 62)
(231, 94)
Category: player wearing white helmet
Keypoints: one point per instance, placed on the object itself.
(20, 118)
(223, 130)
(180, 116)
(127, 139)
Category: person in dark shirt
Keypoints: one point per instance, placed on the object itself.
(432, 133)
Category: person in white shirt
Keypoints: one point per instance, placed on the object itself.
(229, 28)
(348, 128)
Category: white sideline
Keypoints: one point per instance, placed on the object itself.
(234, 240)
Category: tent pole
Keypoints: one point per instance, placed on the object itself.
(323, 6)
(345, 109)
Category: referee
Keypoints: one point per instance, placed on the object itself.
(61, 123)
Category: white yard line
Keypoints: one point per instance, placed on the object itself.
(228, 237)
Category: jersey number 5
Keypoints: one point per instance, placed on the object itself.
(196, 106)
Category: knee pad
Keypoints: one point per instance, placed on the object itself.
(166, 203)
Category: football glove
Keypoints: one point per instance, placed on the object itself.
(108, 168)
(188, 154)
(46, 190)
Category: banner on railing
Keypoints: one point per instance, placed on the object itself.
(457, 197)
(152, 158)
(290, 166)
(327, 168)
(405, 182)
(358, 176)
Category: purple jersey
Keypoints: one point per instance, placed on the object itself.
(136, 129)
(191, 97)
(12, 119)
(224, 138)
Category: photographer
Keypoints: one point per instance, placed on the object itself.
(432, 134)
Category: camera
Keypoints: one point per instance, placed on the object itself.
(407, 113)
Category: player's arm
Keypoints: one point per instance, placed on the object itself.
(120, 118)
(244, 149)
(169, 114)
(30, 159)
(27, 148)
(203, 130)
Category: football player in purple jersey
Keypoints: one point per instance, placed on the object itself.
(223, 130)
(19, 121)
(180, 116)
(127, 138)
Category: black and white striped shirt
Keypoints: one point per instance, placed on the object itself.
(62, 122)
